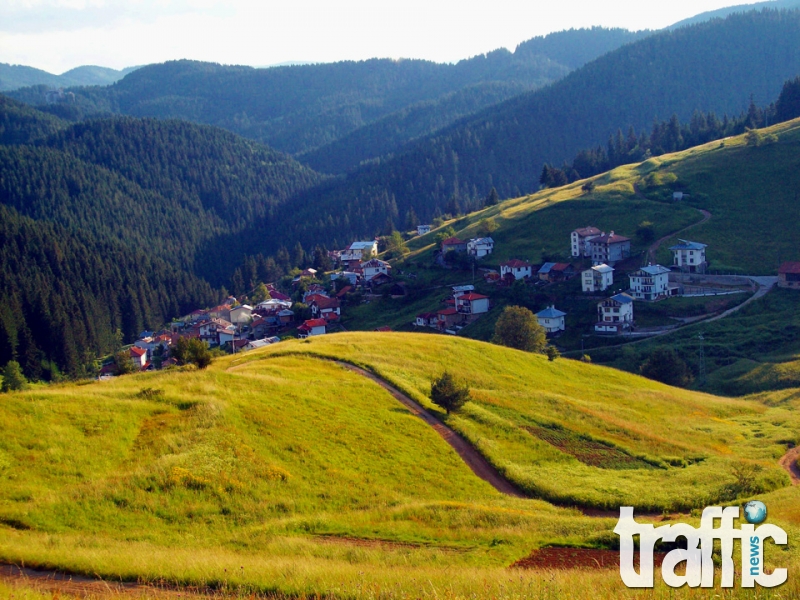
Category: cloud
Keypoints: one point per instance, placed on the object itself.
(48, 16)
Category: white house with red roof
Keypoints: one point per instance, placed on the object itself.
(312, 327)
(375, 267)
(518, 268)
(426, 320)
(609, 249)
(472, 304)
(322, 306)
(580, 238)
(138, 356)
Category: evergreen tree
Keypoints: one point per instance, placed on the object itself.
(492, 198)
(448, 393)
(13, 379)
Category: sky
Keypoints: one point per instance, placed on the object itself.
(57, 35)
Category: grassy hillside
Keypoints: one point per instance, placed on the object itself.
(276, 470)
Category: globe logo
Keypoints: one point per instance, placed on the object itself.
(755, 512)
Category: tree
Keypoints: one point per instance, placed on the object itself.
(395, 245)
(492, 198)
(260, 294)
(448, 393)
(445, 234)
(645, 232)
(552, 353)
(13, 379)
(588, 186)
(518, 328)
(666, 366)
(487, 227)
(124, 363)
(191, 351)
(788, 105)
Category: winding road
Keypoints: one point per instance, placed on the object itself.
(651, 251)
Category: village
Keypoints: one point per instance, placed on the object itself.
(312, 302)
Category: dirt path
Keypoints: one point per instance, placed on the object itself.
(789, 462)
(474, 460)
(651, 251)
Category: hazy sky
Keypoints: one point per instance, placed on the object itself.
(56, 35)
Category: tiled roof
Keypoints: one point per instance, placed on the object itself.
(789, 267)
(515, 263)
(584, 231)
(686, 245)
(472, 296)
(622, 298)
(551, 312)
(453, 241)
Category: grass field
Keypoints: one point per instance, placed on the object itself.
(276, 471)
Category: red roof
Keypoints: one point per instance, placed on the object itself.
(515, 263)
(453, 241)
(584, 231)
(560, 267)
(323, 302)
(611, 238)
(278, 296)
(450, 301)
(136, 351)
(384, 328)
(331, 316)
(447, 311)
(426, 316)
(314, 323)
(344, 290)
(472, 296)
(789, 267)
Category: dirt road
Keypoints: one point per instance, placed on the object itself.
(789, 462)
(474, 460)
(651, 251)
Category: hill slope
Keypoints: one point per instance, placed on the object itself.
(326, 482)
(13, 77)
(713, 66)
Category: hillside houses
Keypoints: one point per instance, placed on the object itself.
(472, 304)
(480, 247)
(597, 279)
(551, 319)
(689, 257)
(553, 272)
(579, 241)
(453, 244)
(516, 269)
(651, 283)
(615, 314)
(789, 275)
(609, 249)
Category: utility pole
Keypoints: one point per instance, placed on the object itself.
(702, 360)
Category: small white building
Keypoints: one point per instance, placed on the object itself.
(689, 256)
(518, 268)
(597, 279)
(551, 319)
(650, 283)
(472, 304)
(459, 290)
(312, 327)
(580, 238)
(480, 247)
(365, 250)
(375, 267)
(423, 229)
(615, 314)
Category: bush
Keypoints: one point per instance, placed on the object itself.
(518, 328)
(666, 366)
(13, 379)
(192, 351)
(448, 393)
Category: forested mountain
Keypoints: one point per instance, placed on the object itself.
(721, 13)
(21, 124)
(13, 77)
(716, 66)
(103, 222)
(301, 108)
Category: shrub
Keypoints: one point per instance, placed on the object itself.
(518, 328)
(13, 379)
(448, 393)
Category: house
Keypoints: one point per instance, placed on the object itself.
(384, 328)
(551, 319)
(208, 330)
(398, 290)
(138, 356)
(580, 238)
(314, 290)
(597, 279)
(480, 247)
(615, 314)
(379, 279)
(448, 317)
(226, 336)
(312, 327)
(689, 256)
(375, 267)
(309, 273)
(276, 295)
(223, 311)
(472, 304)
(344, 291)
(556, 271)
(453, 244)
(458, 290)
(492, 277)
(285, 316)
(273, 304)
(351, 277)
(519, 269)
(789, 275)
(650, 283)
(426, 320)
(365, 250)
(254, 344)
(242, 314)
(423, 229)
(322, 307)
(609, 249)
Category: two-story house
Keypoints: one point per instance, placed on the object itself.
(480, 247)
(580, 238)
(519, 269)
(551, 319)
(597, 279)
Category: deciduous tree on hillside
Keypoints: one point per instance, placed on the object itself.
(518, 328)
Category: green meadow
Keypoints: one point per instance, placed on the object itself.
(279, 471)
